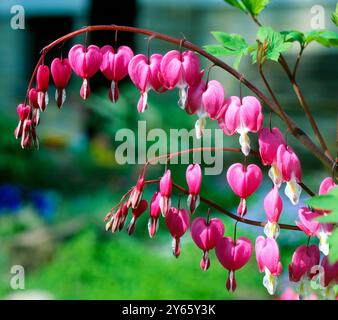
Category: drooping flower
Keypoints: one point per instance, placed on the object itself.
(269, 141)
(180, 70)
(115, 67)
(273, 206)
(194, 179)
(24, 112)
(329, 278)
(61, 73)
(267, 256)
(154, 214)
(289, 167)
(118, 219)
(244, 182)
(136, 213)
(242, 117)
(206, 235)
(165, 191)
(177, 222)
(205, 99)
(136, 194)
(33, 98)
(146, 76)
(28, 135)
(42, 81)
(233, 256)
(301, 267)
(310, 226)
(326, 185)
(85, 62)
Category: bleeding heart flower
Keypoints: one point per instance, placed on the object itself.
(242, 117)
(136, 213)
(146, 76)
(194, 179)
(154, 214)
(85, 62)
(289, 167)
(303, 261)
(180, 70)
(233, 256)
(42, 81)
(206, 235)
(177, 222)
(118, 219)
(244, 182)
(115, 67)
(61, 73)
(273, 206)
(136, 194)
(269, 141)
(165, 191)
(267, 256)
(33, 98)
(326, 185)
(308, 224)
(24, 112)
(205, 99)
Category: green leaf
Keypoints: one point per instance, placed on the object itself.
(237, 4)
(325, 38)
(333, 241)
(275, 43)
(293, 36)
(327, 202)
(230, 45)
(334, 16)
(255, 6)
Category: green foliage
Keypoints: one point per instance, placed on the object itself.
(293, 36)
(325, 38)
(273, 44)
(334, 16)
(254, 7)
(328, 202)
(230, 45)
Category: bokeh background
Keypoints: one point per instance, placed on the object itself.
(52, 201)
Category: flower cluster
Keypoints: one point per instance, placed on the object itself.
(206, 99)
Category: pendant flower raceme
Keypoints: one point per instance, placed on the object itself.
(61, 73)
(267, 256)
(85, 62)
(194, 179)
(180, 70)
(206, 235)
(233, 256)
(114, 66)
(205, 99)
(145, 74)
(244, 182)
(177, 221)
(242, 116)
(269, 141)
(273, 206)
(118, 219)
(136, 194)
(289, 167)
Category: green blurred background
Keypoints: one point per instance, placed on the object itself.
(52, 201)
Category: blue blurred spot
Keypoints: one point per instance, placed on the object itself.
(44, 203)
(10, 198)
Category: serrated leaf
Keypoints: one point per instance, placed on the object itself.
(237, 4)
(333, 241)
(275, 42)
(293, 36)
(325, 38)
(334, 16)
(255, 6)
(230, 45)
